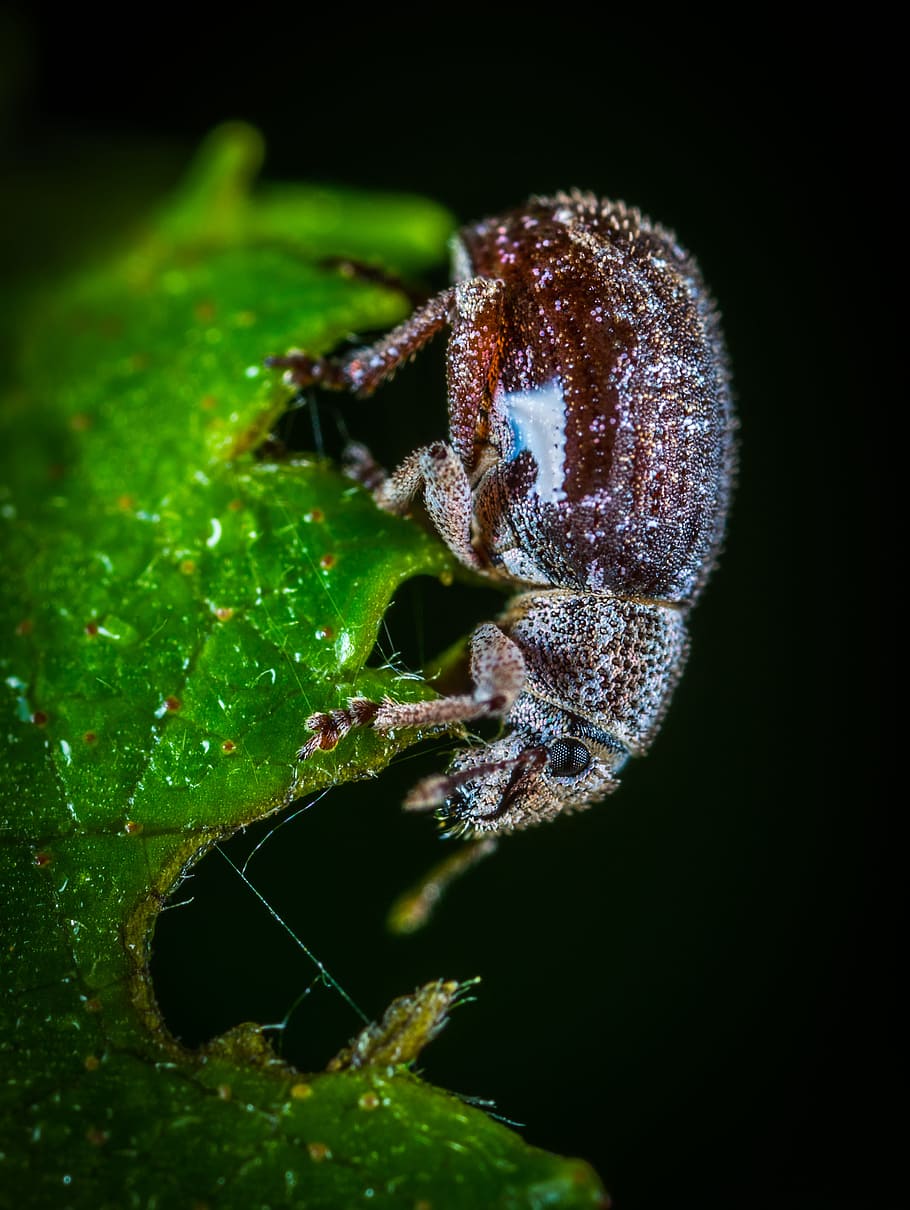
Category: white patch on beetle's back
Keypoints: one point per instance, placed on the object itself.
(537, 420)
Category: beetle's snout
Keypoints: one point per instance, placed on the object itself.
(482, 805)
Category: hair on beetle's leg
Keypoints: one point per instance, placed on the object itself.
(437, 470)
(498, 673)
(329, 728)
(363, 369)
(412, 910)
(473, 307)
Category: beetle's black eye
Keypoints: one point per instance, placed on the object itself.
(568, 757)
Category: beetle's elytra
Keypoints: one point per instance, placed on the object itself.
(589, 465)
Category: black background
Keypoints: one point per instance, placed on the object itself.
(689, 985)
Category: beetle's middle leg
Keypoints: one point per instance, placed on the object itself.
(437, 473)
(498, 674)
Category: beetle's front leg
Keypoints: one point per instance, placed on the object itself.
(498, 674)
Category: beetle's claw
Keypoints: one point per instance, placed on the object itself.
(329, 728)
(327, 731)
(325, 736)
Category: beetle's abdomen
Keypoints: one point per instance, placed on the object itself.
(611, 413)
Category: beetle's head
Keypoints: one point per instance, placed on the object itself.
(528, 776)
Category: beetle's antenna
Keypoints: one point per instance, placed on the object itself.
(434, 790)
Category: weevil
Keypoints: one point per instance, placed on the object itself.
(588, 468)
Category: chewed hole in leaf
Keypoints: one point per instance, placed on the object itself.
(329, 868)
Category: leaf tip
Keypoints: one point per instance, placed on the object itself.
(217, 184)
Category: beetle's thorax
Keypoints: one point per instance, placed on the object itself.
(611, 662)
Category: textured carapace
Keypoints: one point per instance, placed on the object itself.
(589, 465)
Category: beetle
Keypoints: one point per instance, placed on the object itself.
(588, 468)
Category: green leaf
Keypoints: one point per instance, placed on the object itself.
(174, 605)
